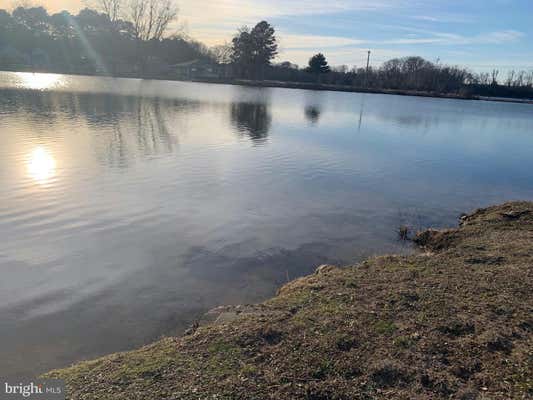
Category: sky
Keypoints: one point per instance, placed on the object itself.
(479, 34)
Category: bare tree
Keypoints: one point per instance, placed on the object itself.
(151, 18)
(494, 75)
(221, 53)
(520, 77)
(510, 78)
(342, 69)
(483, 78)
(529, 79)
(110, 7)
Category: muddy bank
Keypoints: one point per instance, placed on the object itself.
(453, 321)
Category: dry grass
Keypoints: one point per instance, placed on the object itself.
(454, 322)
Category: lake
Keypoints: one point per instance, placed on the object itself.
(128, 208)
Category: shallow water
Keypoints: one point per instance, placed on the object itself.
(128, 207)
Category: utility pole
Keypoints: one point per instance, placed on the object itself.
(367, 68)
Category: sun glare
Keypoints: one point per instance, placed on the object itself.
(41, 165)
(38, 81)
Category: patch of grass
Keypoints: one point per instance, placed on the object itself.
(403, 265)
(404, 342)
(385, 328)
(249, 370)
(222, 347)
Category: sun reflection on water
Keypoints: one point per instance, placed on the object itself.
(38, 81)
(41, 165)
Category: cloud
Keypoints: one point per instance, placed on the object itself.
(426, 18)
(499, 37)
(253, 10)
(317, 42)
(444, 18)
(424, 36)
(341, 50)
(215, 21)
(301, 42)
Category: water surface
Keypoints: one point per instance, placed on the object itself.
(129, 207)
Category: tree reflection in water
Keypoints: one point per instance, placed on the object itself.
(312, 114)
(252, 119)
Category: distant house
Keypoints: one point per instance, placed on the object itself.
(201, 69)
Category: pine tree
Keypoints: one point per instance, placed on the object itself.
(318, 64)
(254, 49)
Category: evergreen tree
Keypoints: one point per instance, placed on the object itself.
(253, 50)
(318, 64)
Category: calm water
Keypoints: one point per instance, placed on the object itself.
(128, 208)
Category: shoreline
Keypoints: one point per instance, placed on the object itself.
(352, 89)
(451, 321)
(334, 88)
(302, 86)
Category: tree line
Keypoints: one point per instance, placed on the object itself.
(119, 37)
(252, 52)
(115, 38)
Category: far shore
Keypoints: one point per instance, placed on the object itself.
(353, 89)
(302, 86)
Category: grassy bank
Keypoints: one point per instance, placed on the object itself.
(454, 321)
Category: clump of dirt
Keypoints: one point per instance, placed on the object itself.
(432, 239)
(389, 373)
